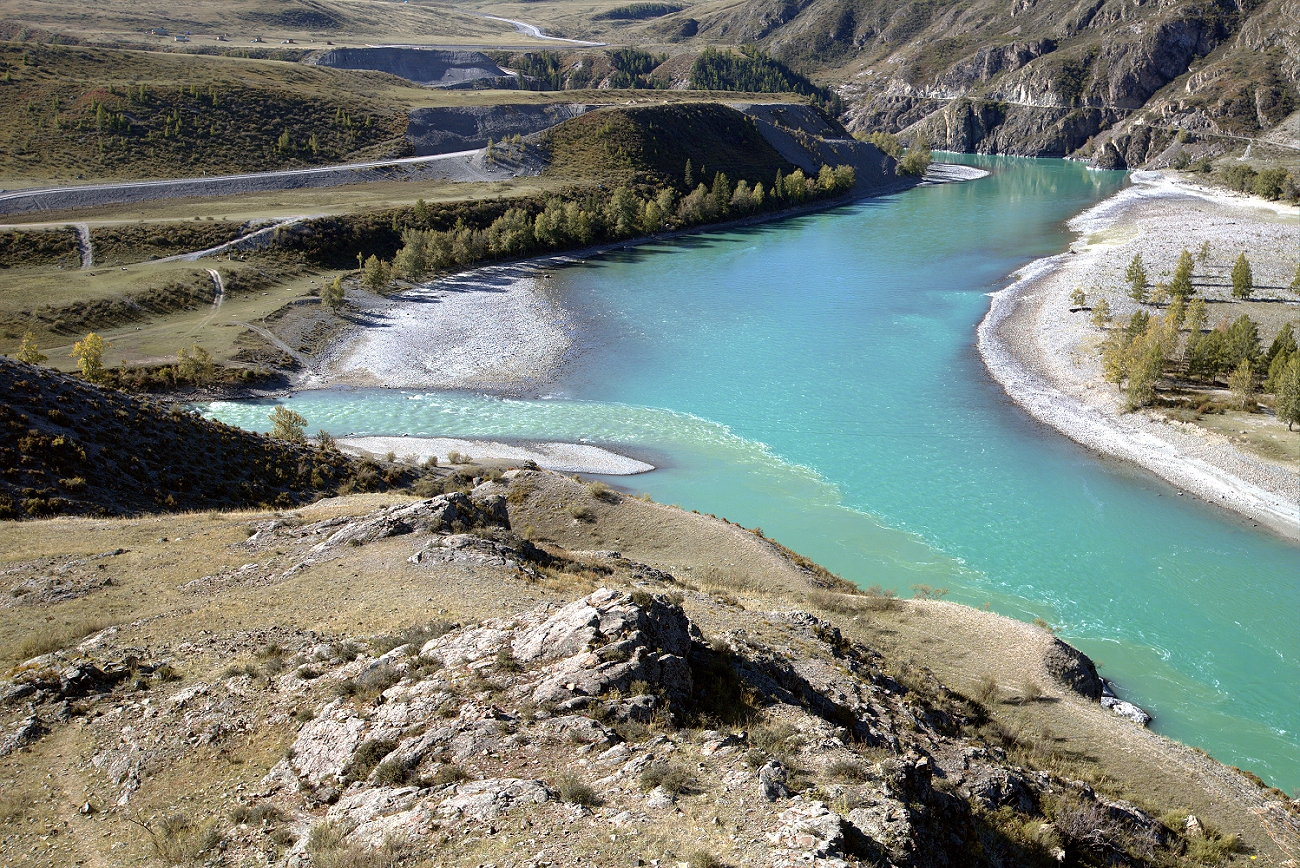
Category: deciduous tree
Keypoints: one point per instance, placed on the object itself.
(28, 351)
(1288, 393)
(1181, 285)
(89, 353)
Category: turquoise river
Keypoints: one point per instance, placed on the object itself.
(818, 377)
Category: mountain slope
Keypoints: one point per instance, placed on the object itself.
(1038, 77)
(67, 447)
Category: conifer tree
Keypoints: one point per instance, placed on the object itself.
(1136, 275)
(1181, 285)
(1243, 281)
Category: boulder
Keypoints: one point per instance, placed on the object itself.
(1126, 710)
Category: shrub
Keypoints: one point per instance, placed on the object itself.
(448, 774)
(574, 792)
(847, 770)
(582, 512)
(986, 690)
(673, 778)
(703, 859)
(253, 815)
(367, 756)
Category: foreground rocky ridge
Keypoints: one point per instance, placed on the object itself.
(622, 715)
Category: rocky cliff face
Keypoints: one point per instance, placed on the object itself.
(1041, 77)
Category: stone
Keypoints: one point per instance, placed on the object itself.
(1127, 710)
(488, 799)
(326, 743)
(771, 780)
(812, 829)
(29, 731)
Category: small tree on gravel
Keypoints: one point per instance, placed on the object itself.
(287, 425)
(1243, 281)
(1077, 298)
(331, 294)
(1295, 281)
(376, 274)
(89, 353)
(1181, 285)
(1205, 252)
(1101, 313)
(28, 352)
(1136, 275)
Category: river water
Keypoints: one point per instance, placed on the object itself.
(818, 377)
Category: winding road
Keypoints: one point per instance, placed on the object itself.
(91, 195)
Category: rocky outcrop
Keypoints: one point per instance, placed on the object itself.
(447, 130)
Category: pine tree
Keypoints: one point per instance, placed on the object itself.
(1136, 275)
(690, 175)
(1242, 279)
(1181, 285)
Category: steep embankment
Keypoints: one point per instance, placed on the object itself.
(1041, 77)
(462, 128)
(68, 447)
(427, 66)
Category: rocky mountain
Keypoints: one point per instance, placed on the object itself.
(1043, 77)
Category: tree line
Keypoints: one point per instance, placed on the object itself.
(578, 221)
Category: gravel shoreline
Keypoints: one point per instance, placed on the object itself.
(548, 455)
(1045, 357)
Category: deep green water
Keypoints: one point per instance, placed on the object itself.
(818, 377)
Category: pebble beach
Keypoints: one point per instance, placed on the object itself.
(1046, 358)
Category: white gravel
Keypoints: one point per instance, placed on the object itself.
(562, 457)
(493, 329)
(1045, 357)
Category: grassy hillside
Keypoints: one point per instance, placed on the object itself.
(304, 21)
(71, 112)
(70, 448)
(652, 144)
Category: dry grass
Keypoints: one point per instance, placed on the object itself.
(52, 637)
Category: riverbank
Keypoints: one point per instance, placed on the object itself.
(1045, 356)
(496, 329)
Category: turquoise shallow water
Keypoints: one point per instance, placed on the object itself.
(817, 377)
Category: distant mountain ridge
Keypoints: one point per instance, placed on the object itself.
(1111, 80)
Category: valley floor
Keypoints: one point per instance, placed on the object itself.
(1047, 357)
